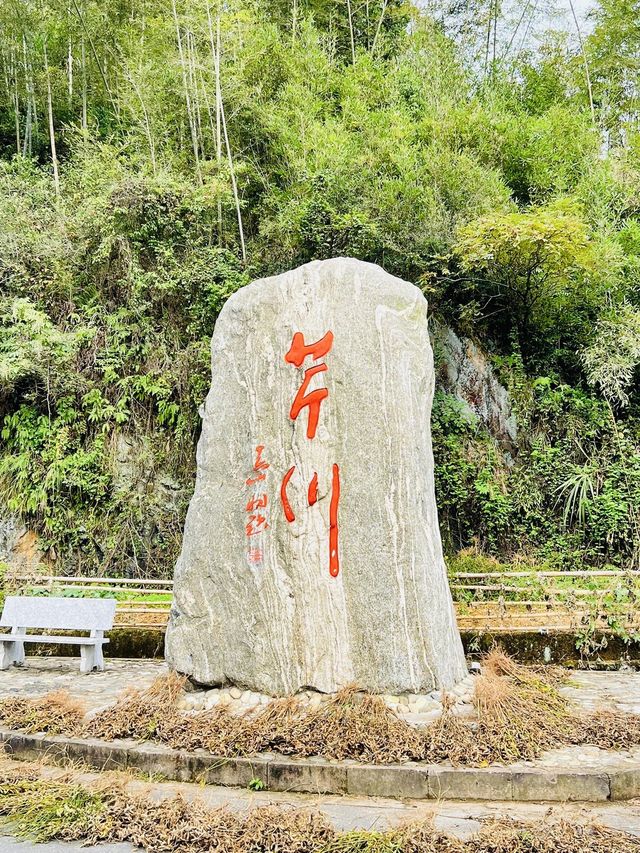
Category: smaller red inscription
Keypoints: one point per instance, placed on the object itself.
(259, 465)
(257, 510)
(256, 524)
(256, 502)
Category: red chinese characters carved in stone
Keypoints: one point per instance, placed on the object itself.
(256, 505)
(256, 502)
(260, 466)
(312, 497)
(256, 524)
(297, 353)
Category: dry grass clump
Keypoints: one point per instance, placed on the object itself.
(423, 837)
(520, 711)
(190, 827)
(549, 836)
(213, 730)
(356, 725)
(65, 810)
(450, 738)
(138, 713)
(607, 729)
(351, 724)
(56, 713)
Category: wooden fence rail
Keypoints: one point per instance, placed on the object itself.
(528, 601)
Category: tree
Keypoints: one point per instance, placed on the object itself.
(612, 50)
(530, 266)
(614, 354)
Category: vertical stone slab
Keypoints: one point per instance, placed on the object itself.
(312, 553)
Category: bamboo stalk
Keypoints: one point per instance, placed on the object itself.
(185, 84)
(215, 53)
(351, 35)
(585, 62)
(52, 135)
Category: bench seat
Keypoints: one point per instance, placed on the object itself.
(52, 638)
(21, 613)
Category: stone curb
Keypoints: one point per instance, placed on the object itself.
(317, 776)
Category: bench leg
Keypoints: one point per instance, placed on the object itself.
(98, 658)
(87, 658)
(18, 648)
(6, 654)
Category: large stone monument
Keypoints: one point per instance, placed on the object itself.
(312, 554)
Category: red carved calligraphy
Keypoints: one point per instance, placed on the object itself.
(256, 524)
(334, 561)
(260, 466)
(312, 400)
(312, 497)
(257, 502)
(297, 353)
(256, 506)
(286, 506)
(312, 494)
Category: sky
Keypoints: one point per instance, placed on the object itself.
(582, 9)
(523, 23)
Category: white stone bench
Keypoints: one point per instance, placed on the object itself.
(22, 613)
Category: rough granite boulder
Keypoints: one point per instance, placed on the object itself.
(312, 554)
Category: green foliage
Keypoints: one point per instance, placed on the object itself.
(101, 398)
(195, 153)
(572, 495)
(614, 355)
(539, 269)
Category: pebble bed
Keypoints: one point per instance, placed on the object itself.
(418, 709)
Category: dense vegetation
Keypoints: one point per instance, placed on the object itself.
(157, 156)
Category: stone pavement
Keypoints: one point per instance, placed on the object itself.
(97, 690)
(588, 690)
(347, 813)
(13, 845)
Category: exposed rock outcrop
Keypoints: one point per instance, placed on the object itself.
(465, 371)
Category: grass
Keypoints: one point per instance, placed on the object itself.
(519, 713)
(44, 810)
(56, 713)
(63, 809)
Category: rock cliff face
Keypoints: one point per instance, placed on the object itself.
(464, 370)
(311, 554)
(18, 545)
(10, 532)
